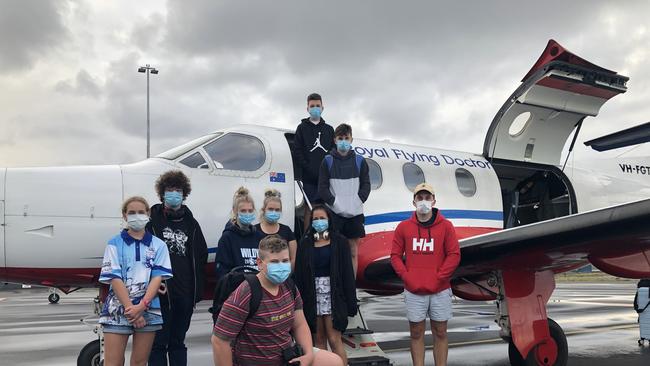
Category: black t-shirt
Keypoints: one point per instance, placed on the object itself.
(284, 232)
(176, 233)
(321, 260)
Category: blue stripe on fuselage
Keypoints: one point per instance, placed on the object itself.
(404, 215)
(449, 214)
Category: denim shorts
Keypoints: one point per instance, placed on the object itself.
(154, 323)
(437, 306)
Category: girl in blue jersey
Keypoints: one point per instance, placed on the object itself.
(135, 263)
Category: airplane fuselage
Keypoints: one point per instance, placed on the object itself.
(56, 221)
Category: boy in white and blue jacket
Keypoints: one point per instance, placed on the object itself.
(344, 185)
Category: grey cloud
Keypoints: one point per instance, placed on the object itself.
(397, 65)
(147, 32)
(417, 72)
(83, 85)
(29, 30)
(387, 61)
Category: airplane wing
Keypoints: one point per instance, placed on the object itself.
(614, 239)
(631, 136)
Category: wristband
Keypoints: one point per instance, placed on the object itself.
(146, 303)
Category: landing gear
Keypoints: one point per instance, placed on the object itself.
(90, 355)
(534, 339)
(536, 355)
(54, 297)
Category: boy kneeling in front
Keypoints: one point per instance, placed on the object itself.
(260, 339)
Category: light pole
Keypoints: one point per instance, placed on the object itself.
(148, 69)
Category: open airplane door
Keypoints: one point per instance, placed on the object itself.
(559, 91)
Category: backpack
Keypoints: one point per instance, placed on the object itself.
(229, 283)
(329, 160)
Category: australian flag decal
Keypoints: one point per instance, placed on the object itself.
(277, 177)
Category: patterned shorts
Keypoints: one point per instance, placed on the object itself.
(323, 298)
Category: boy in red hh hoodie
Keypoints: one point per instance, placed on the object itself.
(432, 254)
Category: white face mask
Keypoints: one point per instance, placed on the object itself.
(137, 222)
(423, 207)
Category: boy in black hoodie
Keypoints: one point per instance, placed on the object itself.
(313, 140)
(174, 223)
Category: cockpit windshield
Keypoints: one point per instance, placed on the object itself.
(180, 150)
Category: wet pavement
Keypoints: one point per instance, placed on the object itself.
(598, 319)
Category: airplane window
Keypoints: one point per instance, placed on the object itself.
(413, 175)
(465, 182)
(376, 178)
(519, 124)
(180, 150)
(235, 151)
(195, 161)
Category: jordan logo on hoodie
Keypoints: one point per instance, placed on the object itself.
(317, 144)
(423, 246)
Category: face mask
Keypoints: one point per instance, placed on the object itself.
(272, 216)
(343, 146)
(424, 206)
(314, 112)
(137, 222)
(320, 225)
(173, 199)
(246, 218)
(278, 272)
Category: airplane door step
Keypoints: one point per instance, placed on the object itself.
(369, 361)
(360, 345)
(357, 331)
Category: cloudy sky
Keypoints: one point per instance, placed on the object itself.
(420, 72)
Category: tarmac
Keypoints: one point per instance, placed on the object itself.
(598, 319)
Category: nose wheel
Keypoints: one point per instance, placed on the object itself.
(554, 352)
(54, 297)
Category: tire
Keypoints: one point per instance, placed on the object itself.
(89, 355)
(557, 334)
(53, 298)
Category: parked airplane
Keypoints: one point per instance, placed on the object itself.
(522, 214)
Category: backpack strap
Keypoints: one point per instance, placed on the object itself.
(292, 287)
(636, 304)
(256, 294)
(329, 161)
(359, 161)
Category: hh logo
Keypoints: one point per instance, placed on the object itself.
(422, 245)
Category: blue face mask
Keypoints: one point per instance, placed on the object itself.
(173, 199)
(246, 218)
(272, 216)
(343, 146)
(315, 112)
(320, 225)
(278, 272)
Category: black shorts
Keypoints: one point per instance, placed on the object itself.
(350, 227)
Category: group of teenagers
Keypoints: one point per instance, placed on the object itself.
(297, 305)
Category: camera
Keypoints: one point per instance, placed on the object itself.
(290, 353)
